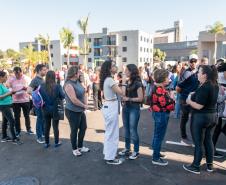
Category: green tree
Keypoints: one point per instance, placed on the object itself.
(30, 55)
(43, 56)
(4, 64)
(217, 28)
(46, 42)
(83, 25)
(12, 54)
(67, 38)
(159, 55)
(194, 51)
(2, 54)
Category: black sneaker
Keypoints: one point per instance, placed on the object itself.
(160, 162)
(218, 155)
(191, 168)
(162, 156)
(114, 162)
(18, 134)
(57, 144)
(124, 152)
(209, 167)
(46, 145)
(17, 141)
(6, 139)
(30, 132)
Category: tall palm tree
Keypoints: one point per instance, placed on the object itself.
(83, 25)
(216, 29)
(46, 42)
(67, 38)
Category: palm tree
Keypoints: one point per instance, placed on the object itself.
(216, 29)
(67, 38)
(83, 25)
(46, 42)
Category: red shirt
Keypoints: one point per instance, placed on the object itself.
(161, 100)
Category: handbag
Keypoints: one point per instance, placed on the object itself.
(59, 109)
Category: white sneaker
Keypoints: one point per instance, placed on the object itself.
(76, 153)
(124, 152)
(84, 149)
(134, 155)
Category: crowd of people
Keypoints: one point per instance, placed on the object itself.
(187, 88)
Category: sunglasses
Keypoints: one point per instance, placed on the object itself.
(193, 61)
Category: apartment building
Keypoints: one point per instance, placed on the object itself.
(123, 47)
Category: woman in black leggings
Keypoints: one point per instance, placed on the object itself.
(203, 103)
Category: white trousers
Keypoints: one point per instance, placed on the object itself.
(111, 139)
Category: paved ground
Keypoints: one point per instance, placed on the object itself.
(59, 167)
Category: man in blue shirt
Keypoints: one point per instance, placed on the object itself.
(188, 83)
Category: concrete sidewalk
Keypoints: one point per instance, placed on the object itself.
(57, 166)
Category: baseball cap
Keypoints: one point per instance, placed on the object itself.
(193, 56)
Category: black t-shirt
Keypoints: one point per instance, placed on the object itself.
(206, 95)
(131, 91)
(36, 82)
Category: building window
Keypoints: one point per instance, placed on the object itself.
(51, 55)
(51, 46)
(147, 60)
(89, 40)
(124, 59)
(141, 38)
(124, 49)
(147, 50)
(141, 49)
(42, 47)
(90, 50)
(144, 49)
(151, 40)
(124, 38)
(147, 40)
(89, 59)
(144, 39)
(140, 59)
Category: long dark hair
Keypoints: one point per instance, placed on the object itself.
(2, 73)
(134, 73)
(50, 82)
(211, 73)
(105, 72)
(134, 77)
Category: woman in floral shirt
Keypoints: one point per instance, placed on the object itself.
(161, 105)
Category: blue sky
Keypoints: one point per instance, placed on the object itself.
(22, 20)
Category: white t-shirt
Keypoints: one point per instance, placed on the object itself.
(109, 94)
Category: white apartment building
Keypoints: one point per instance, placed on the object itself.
(206, 46)
(123, 47)
(170, 35)
(57, 52)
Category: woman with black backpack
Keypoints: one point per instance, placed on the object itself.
(52, 94)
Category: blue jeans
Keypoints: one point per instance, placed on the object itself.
(161, 121)
(39, 123)
(177, 106)
(130, 117)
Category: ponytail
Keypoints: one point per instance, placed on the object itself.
(214, 75)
